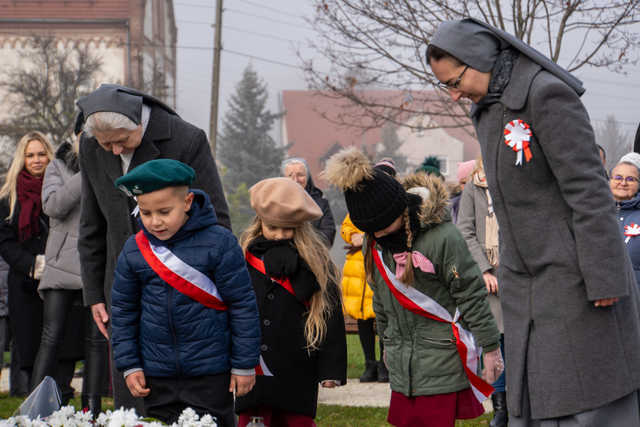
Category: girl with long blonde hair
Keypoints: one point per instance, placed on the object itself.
(23, 235)
(295, 281)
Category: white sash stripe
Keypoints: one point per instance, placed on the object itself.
(431, 306)
(184, 270)
(265, 369)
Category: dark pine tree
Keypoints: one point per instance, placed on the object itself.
(245, 147)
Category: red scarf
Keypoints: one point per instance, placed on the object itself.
(29, 196)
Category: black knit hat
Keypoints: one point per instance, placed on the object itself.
(374, 198)
(376, 203)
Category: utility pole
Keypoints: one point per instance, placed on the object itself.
(215, 79)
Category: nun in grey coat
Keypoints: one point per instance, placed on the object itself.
(569, 299)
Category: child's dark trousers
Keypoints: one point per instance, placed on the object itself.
(207, 394)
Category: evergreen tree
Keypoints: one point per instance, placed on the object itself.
(245, 147)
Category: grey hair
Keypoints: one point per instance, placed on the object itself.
(104, 121)
(625, 162)
(293, 160)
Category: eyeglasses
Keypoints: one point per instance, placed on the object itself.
(627, 179)
(456, 82)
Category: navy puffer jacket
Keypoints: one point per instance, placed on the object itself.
(167, 333)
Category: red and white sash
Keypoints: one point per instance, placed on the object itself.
(425, 306)
(180, 275)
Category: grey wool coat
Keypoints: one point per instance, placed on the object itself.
(472, 211)
(61, 190)
(560, 250)
(106, 221)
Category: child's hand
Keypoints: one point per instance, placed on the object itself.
(137, 384)
(493, 366)
(242, 384)
(328, 384)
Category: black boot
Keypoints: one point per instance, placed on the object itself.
(383, 373)
(370, 372)
(93, 404)
(500, 414)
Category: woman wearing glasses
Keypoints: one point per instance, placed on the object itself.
(624, 187)
(569, 298)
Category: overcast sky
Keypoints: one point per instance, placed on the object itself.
(271, 31)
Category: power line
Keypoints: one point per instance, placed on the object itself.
(242, 30)
(258, 58)
(266, 18)
(273, 9)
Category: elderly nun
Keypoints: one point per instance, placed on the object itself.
(569, 297)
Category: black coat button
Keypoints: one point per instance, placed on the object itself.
(264, 347)
(267, 322)
(271, 296)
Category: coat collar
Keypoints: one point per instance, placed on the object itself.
(516, 93)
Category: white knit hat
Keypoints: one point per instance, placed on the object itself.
(633, 158)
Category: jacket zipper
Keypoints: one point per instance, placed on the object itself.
(172, 329)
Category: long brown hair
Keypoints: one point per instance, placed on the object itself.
(407, 276)
(314, 252)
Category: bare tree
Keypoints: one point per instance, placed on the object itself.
(381, 43)
(615, 141)
(44, 87)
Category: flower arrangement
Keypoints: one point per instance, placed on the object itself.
(67, 416)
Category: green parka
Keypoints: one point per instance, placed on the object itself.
(421, 353)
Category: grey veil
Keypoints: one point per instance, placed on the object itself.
(478, 44)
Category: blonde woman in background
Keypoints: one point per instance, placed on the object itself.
(23, 234)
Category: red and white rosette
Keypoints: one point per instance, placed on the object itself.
(630, 231)
(517, 135)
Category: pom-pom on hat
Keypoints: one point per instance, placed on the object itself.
(430, 165)
(282, 202)
(155, 175)
(374, 198)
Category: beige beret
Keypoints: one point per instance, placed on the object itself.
(282, 202)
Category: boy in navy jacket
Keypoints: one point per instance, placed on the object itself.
(185, 321)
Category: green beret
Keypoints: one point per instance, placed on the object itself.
(155, 175)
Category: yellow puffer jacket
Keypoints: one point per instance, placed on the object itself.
(357, 295)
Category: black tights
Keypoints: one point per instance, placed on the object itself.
(57, 306)
(368, 339)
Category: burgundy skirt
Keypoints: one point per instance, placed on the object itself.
(276, 418)
(438, 410)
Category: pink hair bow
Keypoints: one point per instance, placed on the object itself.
(419, 261)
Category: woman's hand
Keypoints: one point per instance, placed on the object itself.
(606, 302)
(328, 384)
(491, 282)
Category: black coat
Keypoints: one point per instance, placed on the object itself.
(25, 305)
(105, 219)
(326, 225)
(296, 372)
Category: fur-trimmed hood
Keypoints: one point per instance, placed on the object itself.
(435, 198)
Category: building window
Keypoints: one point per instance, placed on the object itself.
(444, 165)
